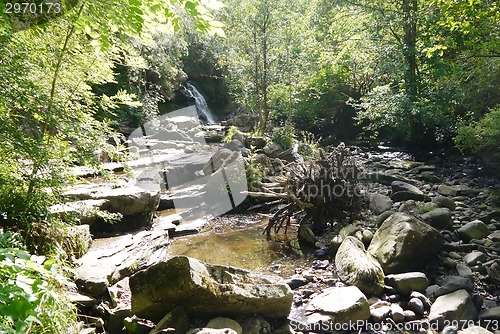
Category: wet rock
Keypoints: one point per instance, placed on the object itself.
(457, 305)
(380, 310)
(405, 283)
(222, 323)
(357, 267)
(444, 202)
(380, 203)
(205, 289)
(439, 218)
(338, 304)
(475, 257)
(404, 243)
(473, 230)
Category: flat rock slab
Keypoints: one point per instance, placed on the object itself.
(207, 290)
(457, 306)
(111, 259)
(406, 283)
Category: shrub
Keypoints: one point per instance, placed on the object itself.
(31, 299)
(481, 137)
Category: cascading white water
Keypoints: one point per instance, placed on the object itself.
(201, 104)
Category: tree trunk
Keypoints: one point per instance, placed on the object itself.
(410, 45)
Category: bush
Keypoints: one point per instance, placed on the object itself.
(284, 136)
(481, 137)
(31, 299)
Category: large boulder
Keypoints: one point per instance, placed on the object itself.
(135, 204)
(456, 306)
(207, 290)
(337, 305)
(357, 267)
(404, 243)
(111, 259)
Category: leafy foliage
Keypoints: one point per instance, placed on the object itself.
(30, 285)
(482, 136)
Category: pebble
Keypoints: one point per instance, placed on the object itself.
(464, 270)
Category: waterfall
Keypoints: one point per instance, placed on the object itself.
(201, 104)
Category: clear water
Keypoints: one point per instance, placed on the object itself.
(238, 240)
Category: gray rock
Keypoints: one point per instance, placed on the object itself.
(451, 284)
(404, 243)
(237, 146)
(457, 305)
(357, 267)
(397, 313)
(380, 310)
(272, 149)
(473, 230)
(410, 315)
(444, 202)
(426, 301)
(221, 323)
(450, 330)
(417, 306)
(259, 142)
(397, 186)
(380, 203)
(405, 195)
(405, 283)
(205, 289)
(338, 304)
(475, 257)
(493, 271)
(382, 217)
(490, 314)
(446, 190)
(494, 236)
(111, 259)
(474, 330)
(439, 218)
(464, 270)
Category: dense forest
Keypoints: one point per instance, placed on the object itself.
(76, 79)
